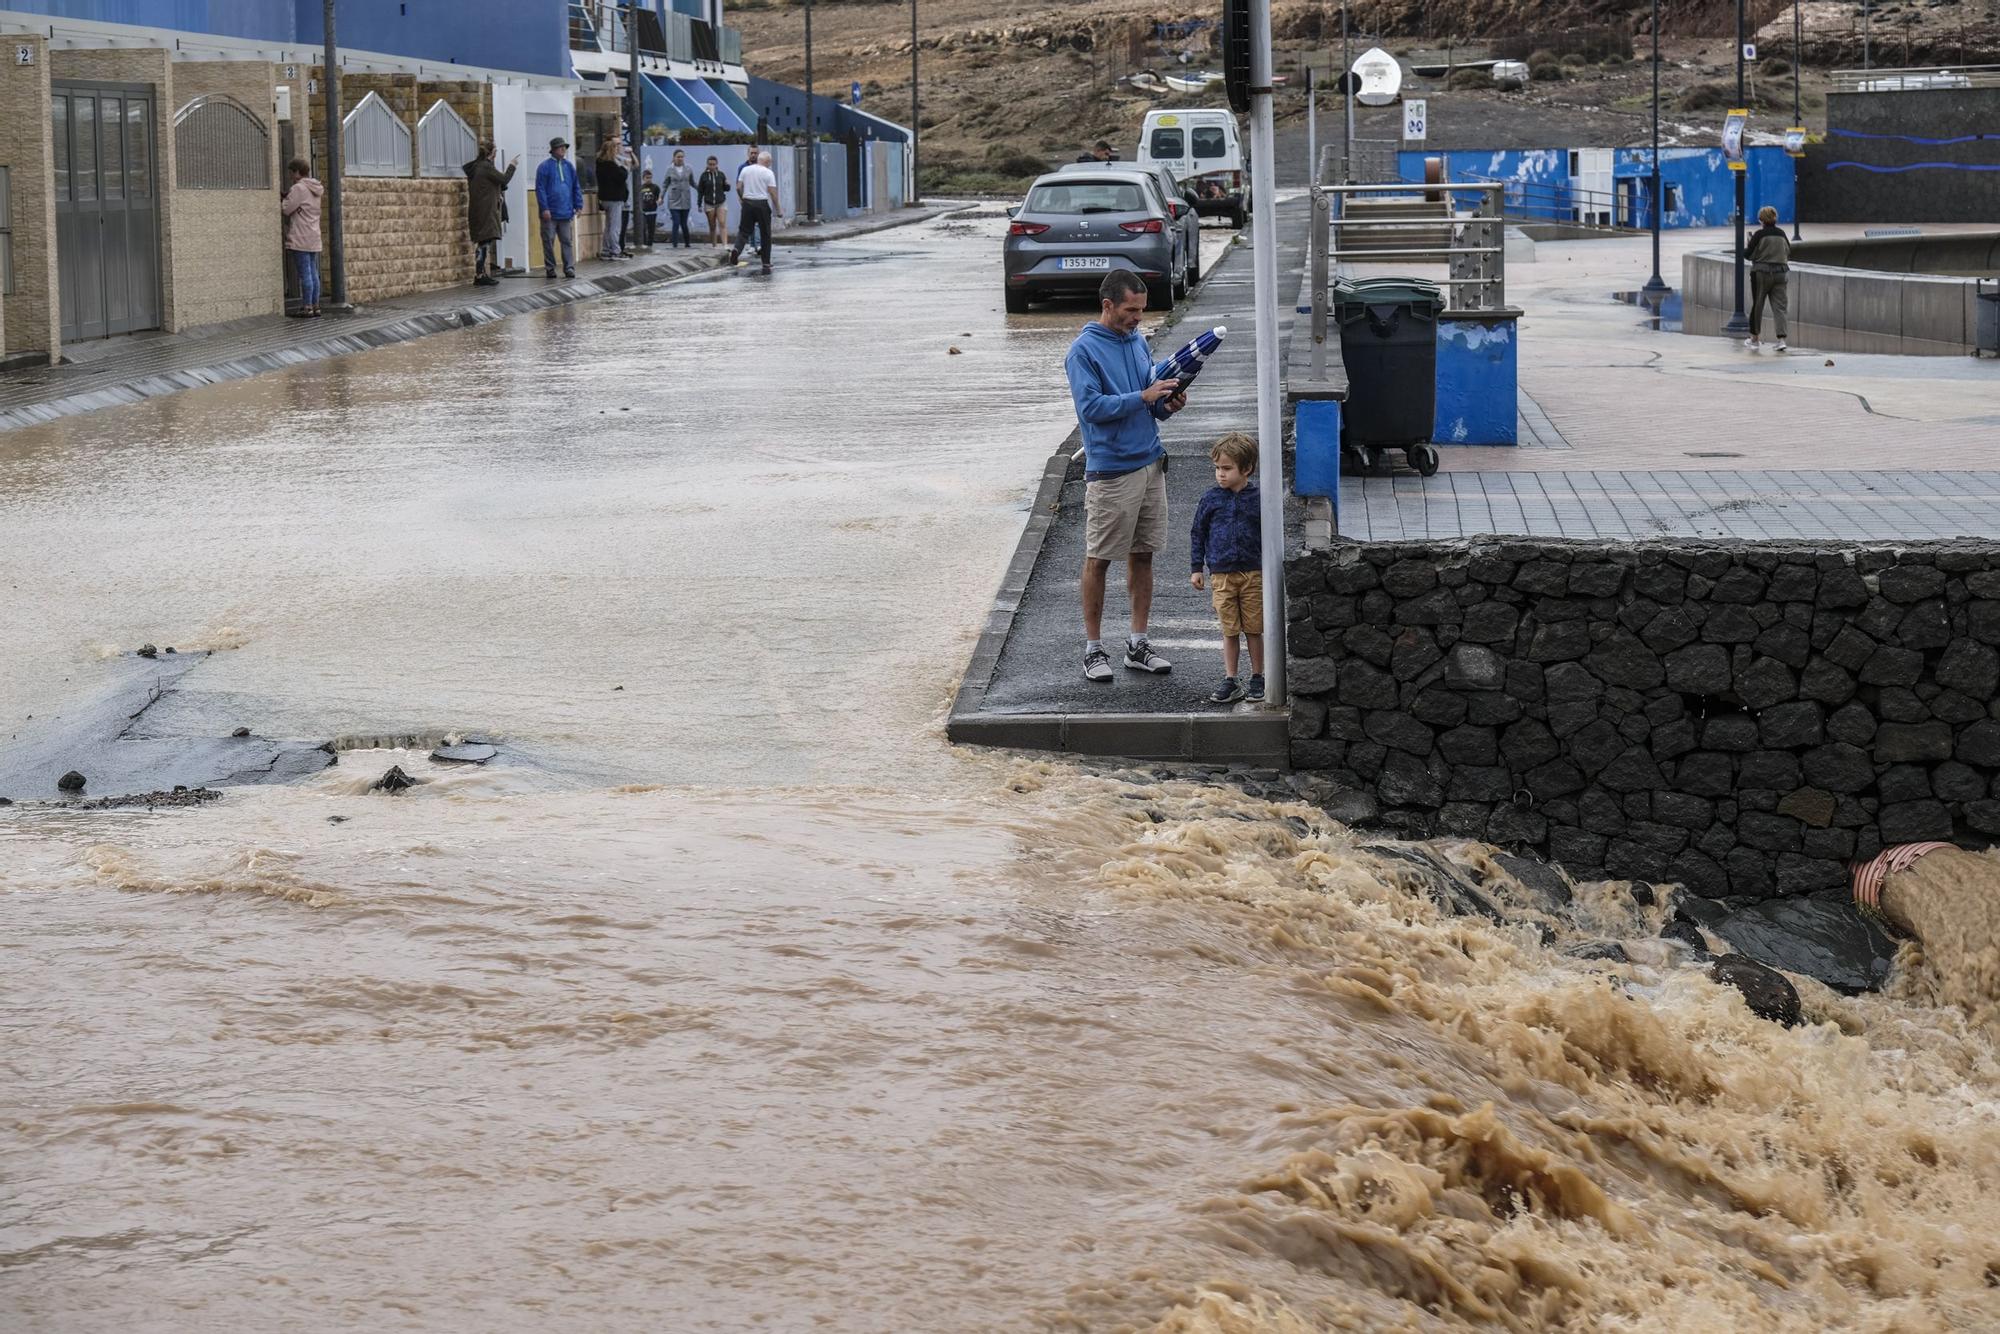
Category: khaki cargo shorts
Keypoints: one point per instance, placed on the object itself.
(1126, 514)
(1239, 601)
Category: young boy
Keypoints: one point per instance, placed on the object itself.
(1228, 541)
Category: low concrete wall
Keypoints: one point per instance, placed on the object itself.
(404, 235)
(1843, 309)
(1740, 718)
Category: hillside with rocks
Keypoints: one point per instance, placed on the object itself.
(1011, 86)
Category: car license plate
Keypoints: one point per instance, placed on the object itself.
(1085, 263)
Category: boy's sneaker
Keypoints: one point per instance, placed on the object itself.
(1752, 344)
(1227, 693)
(1097, 666)
(1141, 658)
(1256, 695)
(1782, 347)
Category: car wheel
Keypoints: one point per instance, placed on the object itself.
(1180, 285)
(1194, 268)
(1160, 296)
(1017, 301)
(1237, 217)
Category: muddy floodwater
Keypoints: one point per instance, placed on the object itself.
(734, 999)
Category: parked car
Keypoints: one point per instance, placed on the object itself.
(1075, 227)
(1180, 207)
(1205, 152)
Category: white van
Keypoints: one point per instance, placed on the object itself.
(1206, 155)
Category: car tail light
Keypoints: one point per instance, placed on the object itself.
(1027, 229)
(1236, 180)
(1143, 225)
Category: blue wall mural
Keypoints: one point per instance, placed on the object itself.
(1695, 181)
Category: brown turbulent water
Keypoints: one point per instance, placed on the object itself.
(823, 1026)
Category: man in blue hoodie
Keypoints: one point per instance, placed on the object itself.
(1120, 406)
(561, 199)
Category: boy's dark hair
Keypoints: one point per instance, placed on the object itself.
(300, 166)
(1238, 448)
(1119, 284)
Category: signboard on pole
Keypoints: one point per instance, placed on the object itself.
(1733, 128)
(1795, 141)
(1416, 119)
(854, 92)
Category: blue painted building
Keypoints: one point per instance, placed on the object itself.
(531, 38)
(1696, 182)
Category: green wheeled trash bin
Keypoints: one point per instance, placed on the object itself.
(1388, 339)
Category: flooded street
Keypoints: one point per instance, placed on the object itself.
(738, 1000)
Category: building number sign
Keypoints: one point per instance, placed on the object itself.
(24, 55)
(291, 71)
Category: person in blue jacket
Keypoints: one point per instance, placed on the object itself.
(560, 198)
(1120, 403)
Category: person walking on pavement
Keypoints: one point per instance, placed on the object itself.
(612, 196)
(560, 199)
(713, 191)
(755, 156)
(758, 185)
(1769, 251)
(302, 243)
(485, 211)
(680, 199)
(1120, 403)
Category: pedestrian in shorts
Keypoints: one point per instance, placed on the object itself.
(1226, 545)
(1120, 403)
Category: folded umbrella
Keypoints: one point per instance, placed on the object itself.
(1185, 364)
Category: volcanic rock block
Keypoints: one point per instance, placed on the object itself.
(1769, 994)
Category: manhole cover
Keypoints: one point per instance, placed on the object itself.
(1713, 454)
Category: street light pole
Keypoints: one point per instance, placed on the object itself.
(1799, 55)
(634, 114)
(336, 250)
(1312, 129)
(812, 128)
(1656, 284)
(916, 177)
(1347, 93)
(1867, 32)
(1270, 428)
(1739, 323)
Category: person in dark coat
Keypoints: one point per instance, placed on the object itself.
(486, 210)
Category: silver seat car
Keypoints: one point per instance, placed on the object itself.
(1075, 227)
(1180, 207)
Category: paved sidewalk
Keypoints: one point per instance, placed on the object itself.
(1639, 432)
(1025, 686)
(115, 371)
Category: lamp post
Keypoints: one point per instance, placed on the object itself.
(1655, 284)
(634, 115)
(916, 176)
(1799, 55)
(336, 251)
(1867, 31)
(1739, 323)
(1347, 94)
(812, 129)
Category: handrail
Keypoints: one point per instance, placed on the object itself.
(1920, 78)
(1474, 252)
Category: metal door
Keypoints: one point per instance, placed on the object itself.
(107, 209)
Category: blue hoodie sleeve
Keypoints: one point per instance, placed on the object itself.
(542, 186)
(1086, 387)
(1204, 515)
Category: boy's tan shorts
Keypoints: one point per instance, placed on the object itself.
(1239, 601)
(1126, 514)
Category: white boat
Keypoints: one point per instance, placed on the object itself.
(1510, 74)
(1381, 77)
(1192, 84)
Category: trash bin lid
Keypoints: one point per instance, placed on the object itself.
(1388, 291)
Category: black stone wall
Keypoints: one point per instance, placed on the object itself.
(1914, 181)
(1741, 718)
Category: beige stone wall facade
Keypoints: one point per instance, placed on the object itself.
(229, 261)
(33, 317)
(404, 236)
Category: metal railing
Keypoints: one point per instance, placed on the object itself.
(1375, 161)
(1913, 80)
(1549, 201)
(220, 144)
(1476, 253)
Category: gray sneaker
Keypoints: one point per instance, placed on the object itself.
(1097, 666)
(1141, 658)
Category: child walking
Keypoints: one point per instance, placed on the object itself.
(1228, 542)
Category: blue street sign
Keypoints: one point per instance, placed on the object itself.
(854, 92)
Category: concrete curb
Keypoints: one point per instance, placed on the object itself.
(360, 340)
(880, 224)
